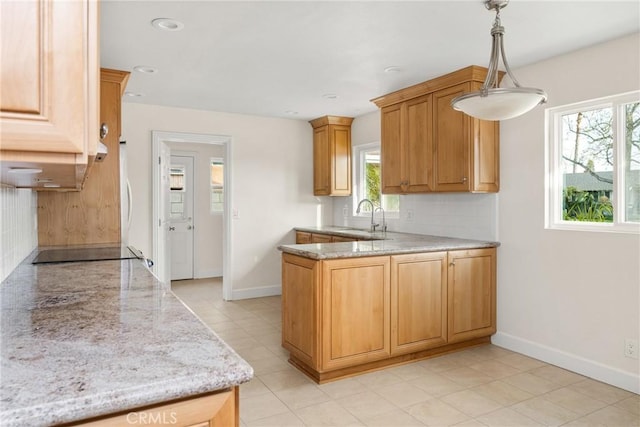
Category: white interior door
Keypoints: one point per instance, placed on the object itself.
(181, 217)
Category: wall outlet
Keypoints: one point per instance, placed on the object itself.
(409, 214)
(631, 348)
(345, 211)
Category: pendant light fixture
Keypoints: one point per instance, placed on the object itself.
(492, 102)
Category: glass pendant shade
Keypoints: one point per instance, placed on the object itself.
(499, 103)
(492, 102)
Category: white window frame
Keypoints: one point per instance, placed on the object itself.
(553, 166)
(359, 179)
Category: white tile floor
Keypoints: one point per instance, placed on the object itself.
(484, 386)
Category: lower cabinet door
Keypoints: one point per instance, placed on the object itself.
(471, 294)
(418, 302)
(355, 311)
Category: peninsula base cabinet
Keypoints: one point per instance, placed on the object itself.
(345, 316)
(211, 410)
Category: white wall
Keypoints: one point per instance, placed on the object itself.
(18, 226)
(272, 189)
(208, 236)
(569, 298)
(470, 216)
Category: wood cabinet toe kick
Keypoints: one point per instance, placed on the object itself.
(342, 317)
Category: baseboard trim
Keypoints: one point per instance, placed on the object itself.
(571, 362)
(265, 291)
(205, 274)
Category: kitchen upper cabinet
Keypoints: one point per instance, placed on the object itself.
(49, 76)
(466, 149)
(331, 156)
(427, 146)
(418, 302)
(407, 149)
(471, 294)
(92, 215)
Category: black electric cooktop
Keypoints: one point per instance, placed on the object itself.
(84, 254)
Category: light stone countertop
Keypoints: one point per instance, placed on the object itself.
(378, 243)
(85, 339)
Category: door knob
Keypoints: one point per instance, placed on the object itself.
(172, 228)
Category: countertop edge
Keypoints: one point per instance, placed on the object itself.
(316, 253)
(120, 401)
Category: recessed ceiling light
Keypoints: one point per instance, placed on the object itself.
(330, 96)
(392, 69)
(291, 113)
(133, 94)
(24, 171)
(167, 24)
(145, 69)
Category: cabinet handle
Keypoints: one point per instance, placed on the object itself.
(452, 264)
(172, 228)
(104, 130)
(464, 179)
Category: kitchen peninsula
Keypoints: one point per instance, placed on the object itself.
(383, 299)
(92, 343)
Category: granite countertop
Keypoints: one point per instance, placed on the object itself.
(84, 339)
(378, 243)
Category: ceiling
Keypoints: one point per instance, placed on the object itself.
(306, 59)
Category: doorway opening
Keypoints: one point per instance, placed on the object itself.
(171, 216)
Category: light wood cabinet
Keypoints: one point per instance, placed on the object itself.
(219, 409)
(303, 237)
(466, 149)
(331, 156)
(427, 146)
(49, 75)
(93, 214)
(418, 301)
(471, 294)
(338, 239)
(351, 315)
(355, 311)
(301, 294)
(407, 148)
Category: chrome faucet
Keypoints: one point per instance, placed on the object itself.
(373, 224)
(384, 221)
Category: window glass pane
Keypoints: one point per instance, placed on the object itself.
(587, 166)
(217, 186)
(371, 185)
(176, 178)
(632, 162)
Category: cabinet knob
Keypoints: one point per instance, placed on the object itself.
(464, 179)
(452, 263)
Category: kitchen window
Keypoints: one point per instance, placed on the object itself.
(217, 186)
(593, 165)
(368, 182)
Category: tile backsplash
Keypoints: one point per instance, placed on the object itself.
(468, 216)
(18, 227)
